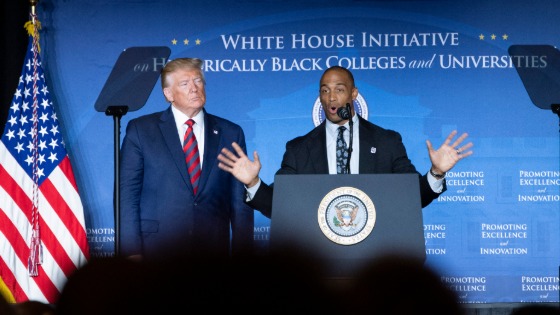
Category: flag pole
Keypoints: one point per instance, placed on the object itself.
(33, 4)
(36, 247)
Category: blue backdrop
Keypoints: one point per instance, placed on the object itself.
(423, 68)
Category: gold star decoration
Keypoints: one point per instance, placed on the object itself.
(493, 37)
(186, 41)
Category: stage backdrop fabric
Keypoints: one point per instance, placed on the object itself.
(423, 68)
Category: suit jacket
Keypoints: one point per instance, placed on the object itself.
(308, 155)
(159, 214)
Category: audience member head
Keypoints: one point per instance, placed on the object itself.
(286, 282)
(109, 286)
(396, 284)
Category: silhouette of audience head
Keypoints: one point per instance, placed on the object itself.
(251, 284)
(396, 284)
(285, 281)
(109, 286)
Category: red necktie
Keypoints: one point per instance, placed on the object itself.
(190, 147)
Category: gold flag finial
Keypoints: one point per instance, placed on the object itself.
(34, 25)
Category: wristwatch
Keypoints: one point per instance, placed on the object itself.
(437, 176)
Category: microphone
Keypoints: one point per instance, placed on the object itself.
(344, 112)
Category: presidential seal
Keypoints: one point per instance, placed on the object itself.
(360, 106)
(346, 215)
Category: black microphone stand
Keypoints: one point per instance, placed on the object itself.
(117, 112)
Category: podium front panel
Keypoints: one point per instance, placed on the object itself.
(302, 203)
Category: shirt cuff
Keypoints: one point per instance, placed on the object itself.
(252, 191)
(435, 184)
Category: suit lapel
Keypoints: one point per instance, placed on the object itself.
(368, 148)
(212, 135)
(318, 153)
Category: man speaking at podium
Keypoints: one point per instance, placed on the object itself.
(327, 148)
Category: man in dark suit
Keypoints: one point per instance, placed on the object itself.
(162, 214)
(379, 150)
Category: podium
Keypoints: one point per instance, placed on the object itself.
(346, 221)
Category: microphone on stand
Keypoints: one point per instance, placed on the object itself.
(346, 113)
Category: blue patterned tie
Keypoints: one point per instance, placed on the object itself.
(190, 147)
(341, 152)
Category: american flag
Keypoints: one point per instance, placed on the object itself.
(42, 228)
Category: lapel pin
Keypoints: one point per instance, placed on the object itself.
(373, 150)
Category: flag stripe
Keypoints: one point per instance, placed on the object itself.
(9, 278)
(69, 227)
(18, 231)
(6, 292)
(11, 239)
(62, 179)
(15, 200)
(50, 240)
(66, 169)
